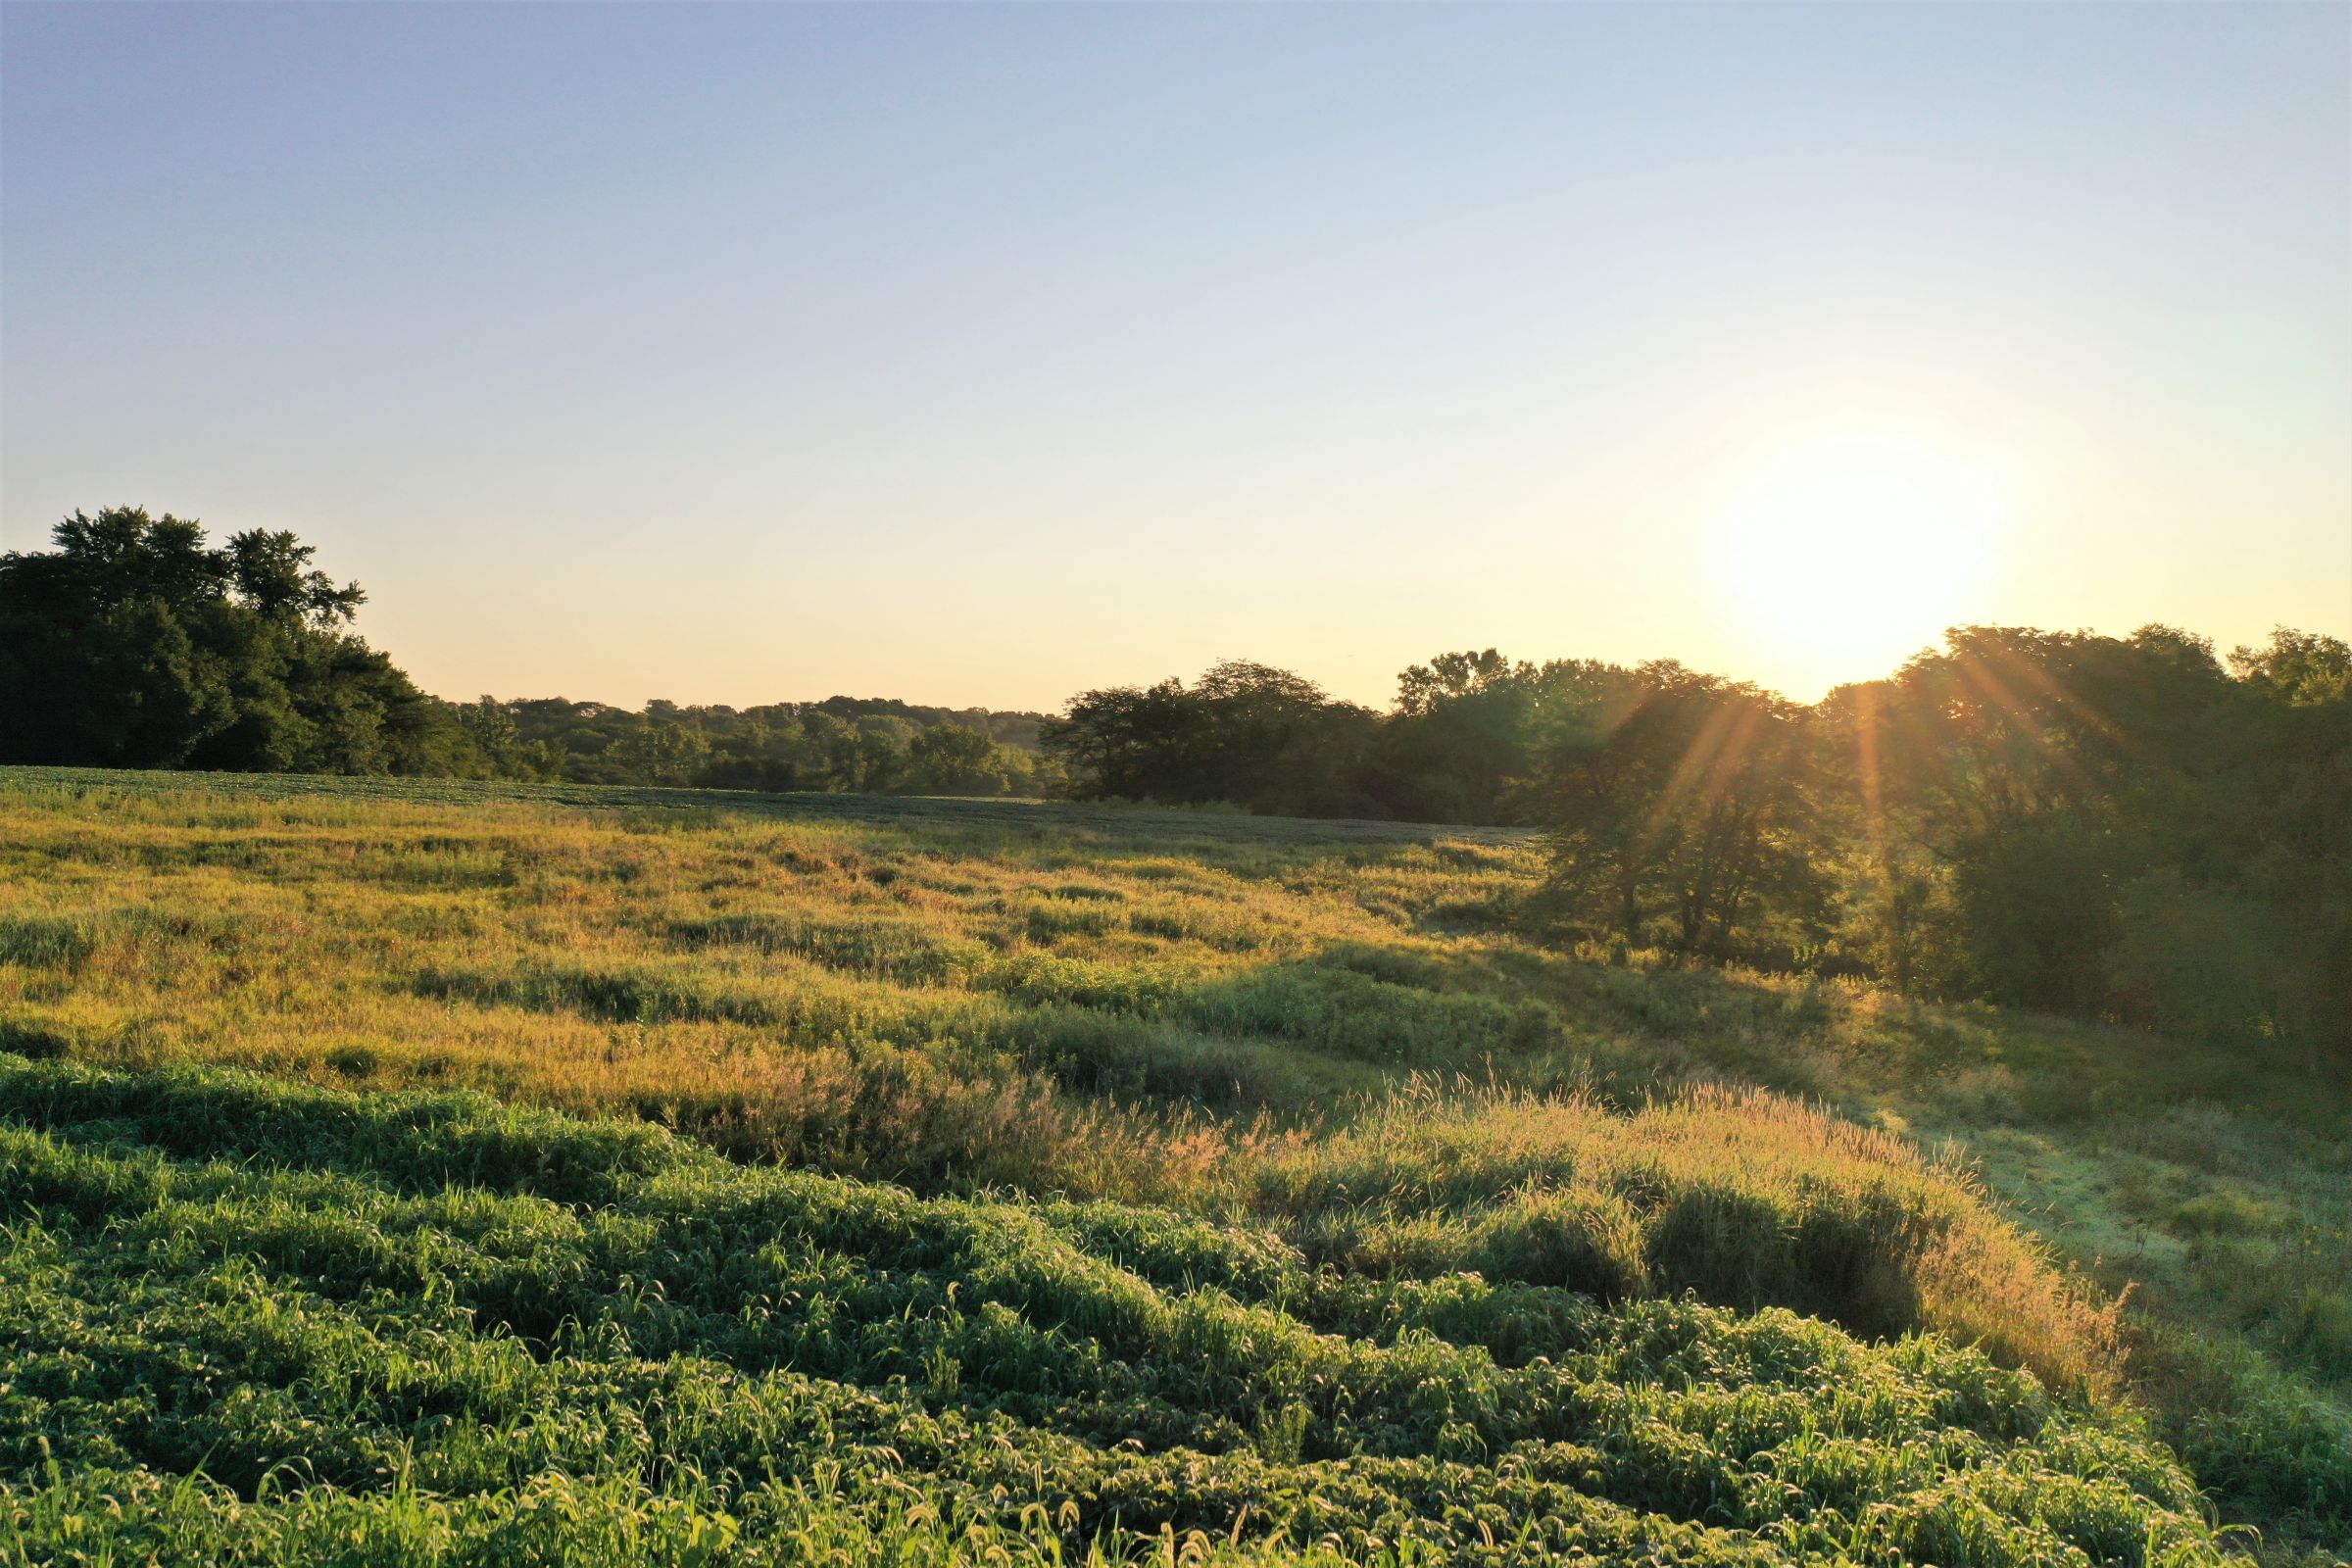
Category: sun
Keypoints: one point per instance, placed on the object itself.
(1846, 554)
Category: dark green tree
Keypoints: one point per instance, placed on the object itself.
(2042, 773)
(1694, 824)
(1128, 742)
(1460, 740)
(957, 760)
(135, 644)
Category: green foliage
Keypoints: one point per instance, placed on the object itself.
(952, 759)
(836, 745)
(1694, 822)
(1245, 733)
(1467, 735)
(254, 1322)
(1473, 734)
(1149, 1011)
(2250, 1434)
(2118, 827)
(133, 644)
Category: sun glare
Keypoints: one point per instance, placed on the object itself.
(1849, 554)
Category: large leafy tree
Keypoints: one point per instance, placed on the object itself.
(2119, 827)
(1276, 742)
(1245, 733)
(133, 643)
(1695, 822)
(2043, 774)
(2281, 837)
(957, 760)
(1474, 733)
(1460, 737)
(1129, 742)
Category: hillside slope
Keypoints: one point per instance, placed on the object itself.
(1324, 1040)
(594, 1343)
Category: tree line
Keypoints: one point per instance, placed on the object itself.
(863, 744)
(135, 643)
(2133, 828)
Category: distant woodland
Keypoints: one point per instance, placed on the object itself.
(133, 643)
(2136, 828)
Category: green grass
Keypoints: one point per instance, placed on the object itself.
(385, 1326)
(1315, 1062)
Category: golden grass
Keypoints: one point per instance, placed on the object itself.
(1745, 1196)
(1167, 1007)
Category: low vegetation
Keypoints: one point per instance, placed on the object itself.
(602, 1345)
(945, 1178)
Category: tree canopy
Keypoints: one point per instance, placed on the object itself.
(2129, 828)
(135, 644)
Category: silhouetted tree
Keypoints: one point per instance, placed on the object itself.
(1696, 823)
(1460, 738)
(1128, 743)
(133, 644)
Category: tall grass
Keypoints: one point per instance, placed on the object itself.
(1739, 1197)
(1243, 1020)
(249, 1322)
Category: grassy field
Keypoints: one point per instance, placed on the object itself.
(1152, 1182)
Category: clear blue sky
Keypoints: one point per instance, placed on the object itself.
(978, 354)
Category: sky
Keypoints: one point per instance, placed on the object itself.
(979, 354)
